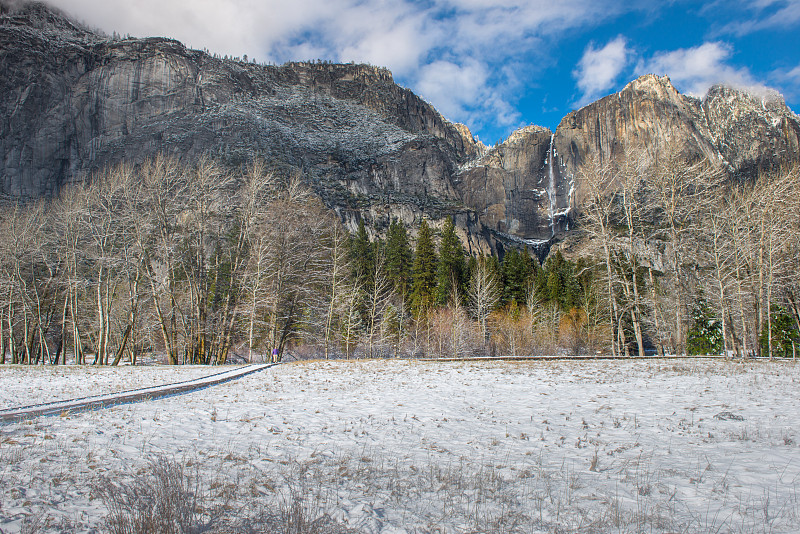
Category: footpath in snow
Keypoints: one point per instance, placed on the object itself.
(101, 401)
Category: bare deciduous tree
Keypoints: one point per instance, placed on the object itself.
(598, 189)
(484, 293)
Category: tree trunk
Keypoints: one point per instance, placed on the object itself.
(164, 325)
(740, 301)
(61, 349)
(251, 327)
(722, 315)
(80, 357)
(770, 281)
(760, 295)
(612, 301)
(2, 341)
(679, 335)
(12, 349)
(659, 345)
(635, 313)
(102, 341)
(28, 342)
(122, 344)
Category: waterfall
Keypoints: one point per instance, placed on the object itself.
(551, 187)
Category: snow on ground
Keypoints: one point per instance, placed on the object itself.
(399, 446)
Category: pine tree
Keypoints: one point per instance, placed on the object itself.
(573, 292)
(553, 286)
(472, 264)
(558, 283)
(362, 256)
(398, 258)
(705, 335)
(540, 283)
(517, 271)
(424, 272)
(785, 335)
(451, 268)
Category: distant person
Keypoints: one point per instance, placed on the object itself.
(274, 355)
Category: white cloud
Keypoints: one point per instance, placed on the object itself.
(599, 68)
(695, 70)
(794, 74)
(782, 14)
(788, 81)
(464, 91)
(462, 84)
(399, 41)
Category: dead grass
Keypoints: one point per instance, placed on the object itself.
(167, 498)
(162, 498)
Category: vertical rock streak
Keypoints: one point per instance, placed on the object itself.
(551, 186)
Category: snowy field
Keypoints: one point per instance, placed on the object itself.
(398, 446)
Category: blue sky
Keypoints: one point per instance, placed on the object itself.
(494, 65)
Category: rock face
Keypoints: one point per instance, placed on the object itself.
(510, 186)
(752, 133)
(73, 101)
(519, 188)
(746, 132)
(648, 110)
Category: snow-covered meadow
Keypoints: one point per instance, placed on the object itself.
(403, 446)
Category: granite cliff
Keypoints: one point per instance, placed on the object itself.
(526, 186)
(748, 133)
(73, 101)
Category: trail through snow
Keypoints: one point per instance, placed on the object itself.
(93, 402)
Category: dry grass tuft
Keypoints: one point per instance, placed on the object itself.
(166, 498)
(161, 498)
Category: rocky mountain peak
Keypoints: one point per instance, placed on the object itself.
(648, 111)
(654, 86)
(525, 133)
(752, 130)
(763, 98)
(469, 139)
(36, 16)
(323, 72)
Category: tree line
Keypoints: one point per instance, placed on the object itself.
(433, 298)
(691, 260)
(200, 264)
(183, 261)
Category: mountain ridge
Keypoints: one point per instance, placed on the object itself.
(76, 101)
